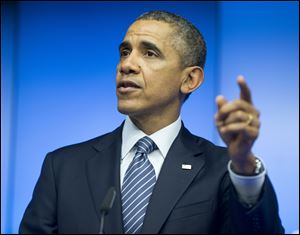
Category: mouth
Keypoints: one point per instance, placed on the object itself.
(127, 86)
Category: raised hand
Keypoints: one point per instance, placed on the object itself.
(238, 124)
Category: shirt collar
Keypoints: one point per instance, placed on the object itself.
(162, 138)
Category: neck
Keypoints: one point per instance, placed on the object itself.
(150, 124)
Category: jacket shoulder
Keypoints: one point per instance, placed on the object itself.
(86, 148)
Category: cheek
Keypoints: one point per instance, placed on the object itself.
(161, 80)
(163, 87)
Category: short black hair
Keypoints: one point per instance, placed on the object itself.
(187, 40)
(193, 50)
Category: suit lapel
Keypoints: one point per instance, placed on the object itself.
(103, 172)
(173, 180)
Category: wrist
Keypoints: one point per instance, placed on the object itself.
(250, 167)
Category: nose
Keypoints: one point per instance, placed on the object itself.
(129, 65)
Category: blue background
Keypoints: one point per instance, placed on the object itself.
(58, 64)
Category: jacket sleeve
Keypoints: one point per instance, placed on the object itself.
(40, 214)
(263, 217)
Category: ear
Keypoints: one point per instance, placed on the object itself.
(192, 79)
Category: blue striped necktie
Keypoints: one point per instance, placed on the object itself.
(137, 187)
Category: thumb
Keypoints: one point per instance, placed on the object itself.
(220, 100)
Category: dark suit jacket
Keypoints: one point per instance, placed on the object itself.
(75, 179)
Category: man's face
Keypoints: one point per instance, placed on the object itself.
(149, 72)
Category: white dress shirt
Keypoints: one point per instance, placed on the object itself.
(162, 138)
(248, 187)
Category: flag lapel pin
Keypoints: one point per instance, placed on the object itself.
(186, 166)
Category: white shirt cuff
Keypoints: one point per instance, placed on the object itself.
(247, 187)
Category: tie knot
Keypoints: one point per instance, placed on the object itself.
(145, 145)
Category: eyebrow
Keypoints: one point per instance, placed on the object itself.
(144, 44)
(124, 44)
(152, 46)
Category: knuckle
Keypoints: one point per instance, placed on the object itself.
(239, 103)
(240, 115)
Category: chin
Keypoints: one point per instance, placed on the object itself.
(123, 111)
(126, 109)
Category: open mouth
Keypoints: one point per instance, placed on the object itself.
(127, 86)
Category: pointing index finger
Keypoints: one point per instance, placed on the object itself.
(245, 93)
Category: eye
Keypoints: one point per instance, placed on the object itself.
(124, 52)
(150, 53)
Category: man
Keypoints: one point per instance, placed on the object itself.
(167, 180)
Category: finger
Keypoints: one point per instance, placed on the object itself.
(220, 100)
(245, 93)
(240, 128)
(240, 116)
(236, 105)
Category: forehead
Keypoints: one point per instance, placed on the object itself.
(156, 31)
